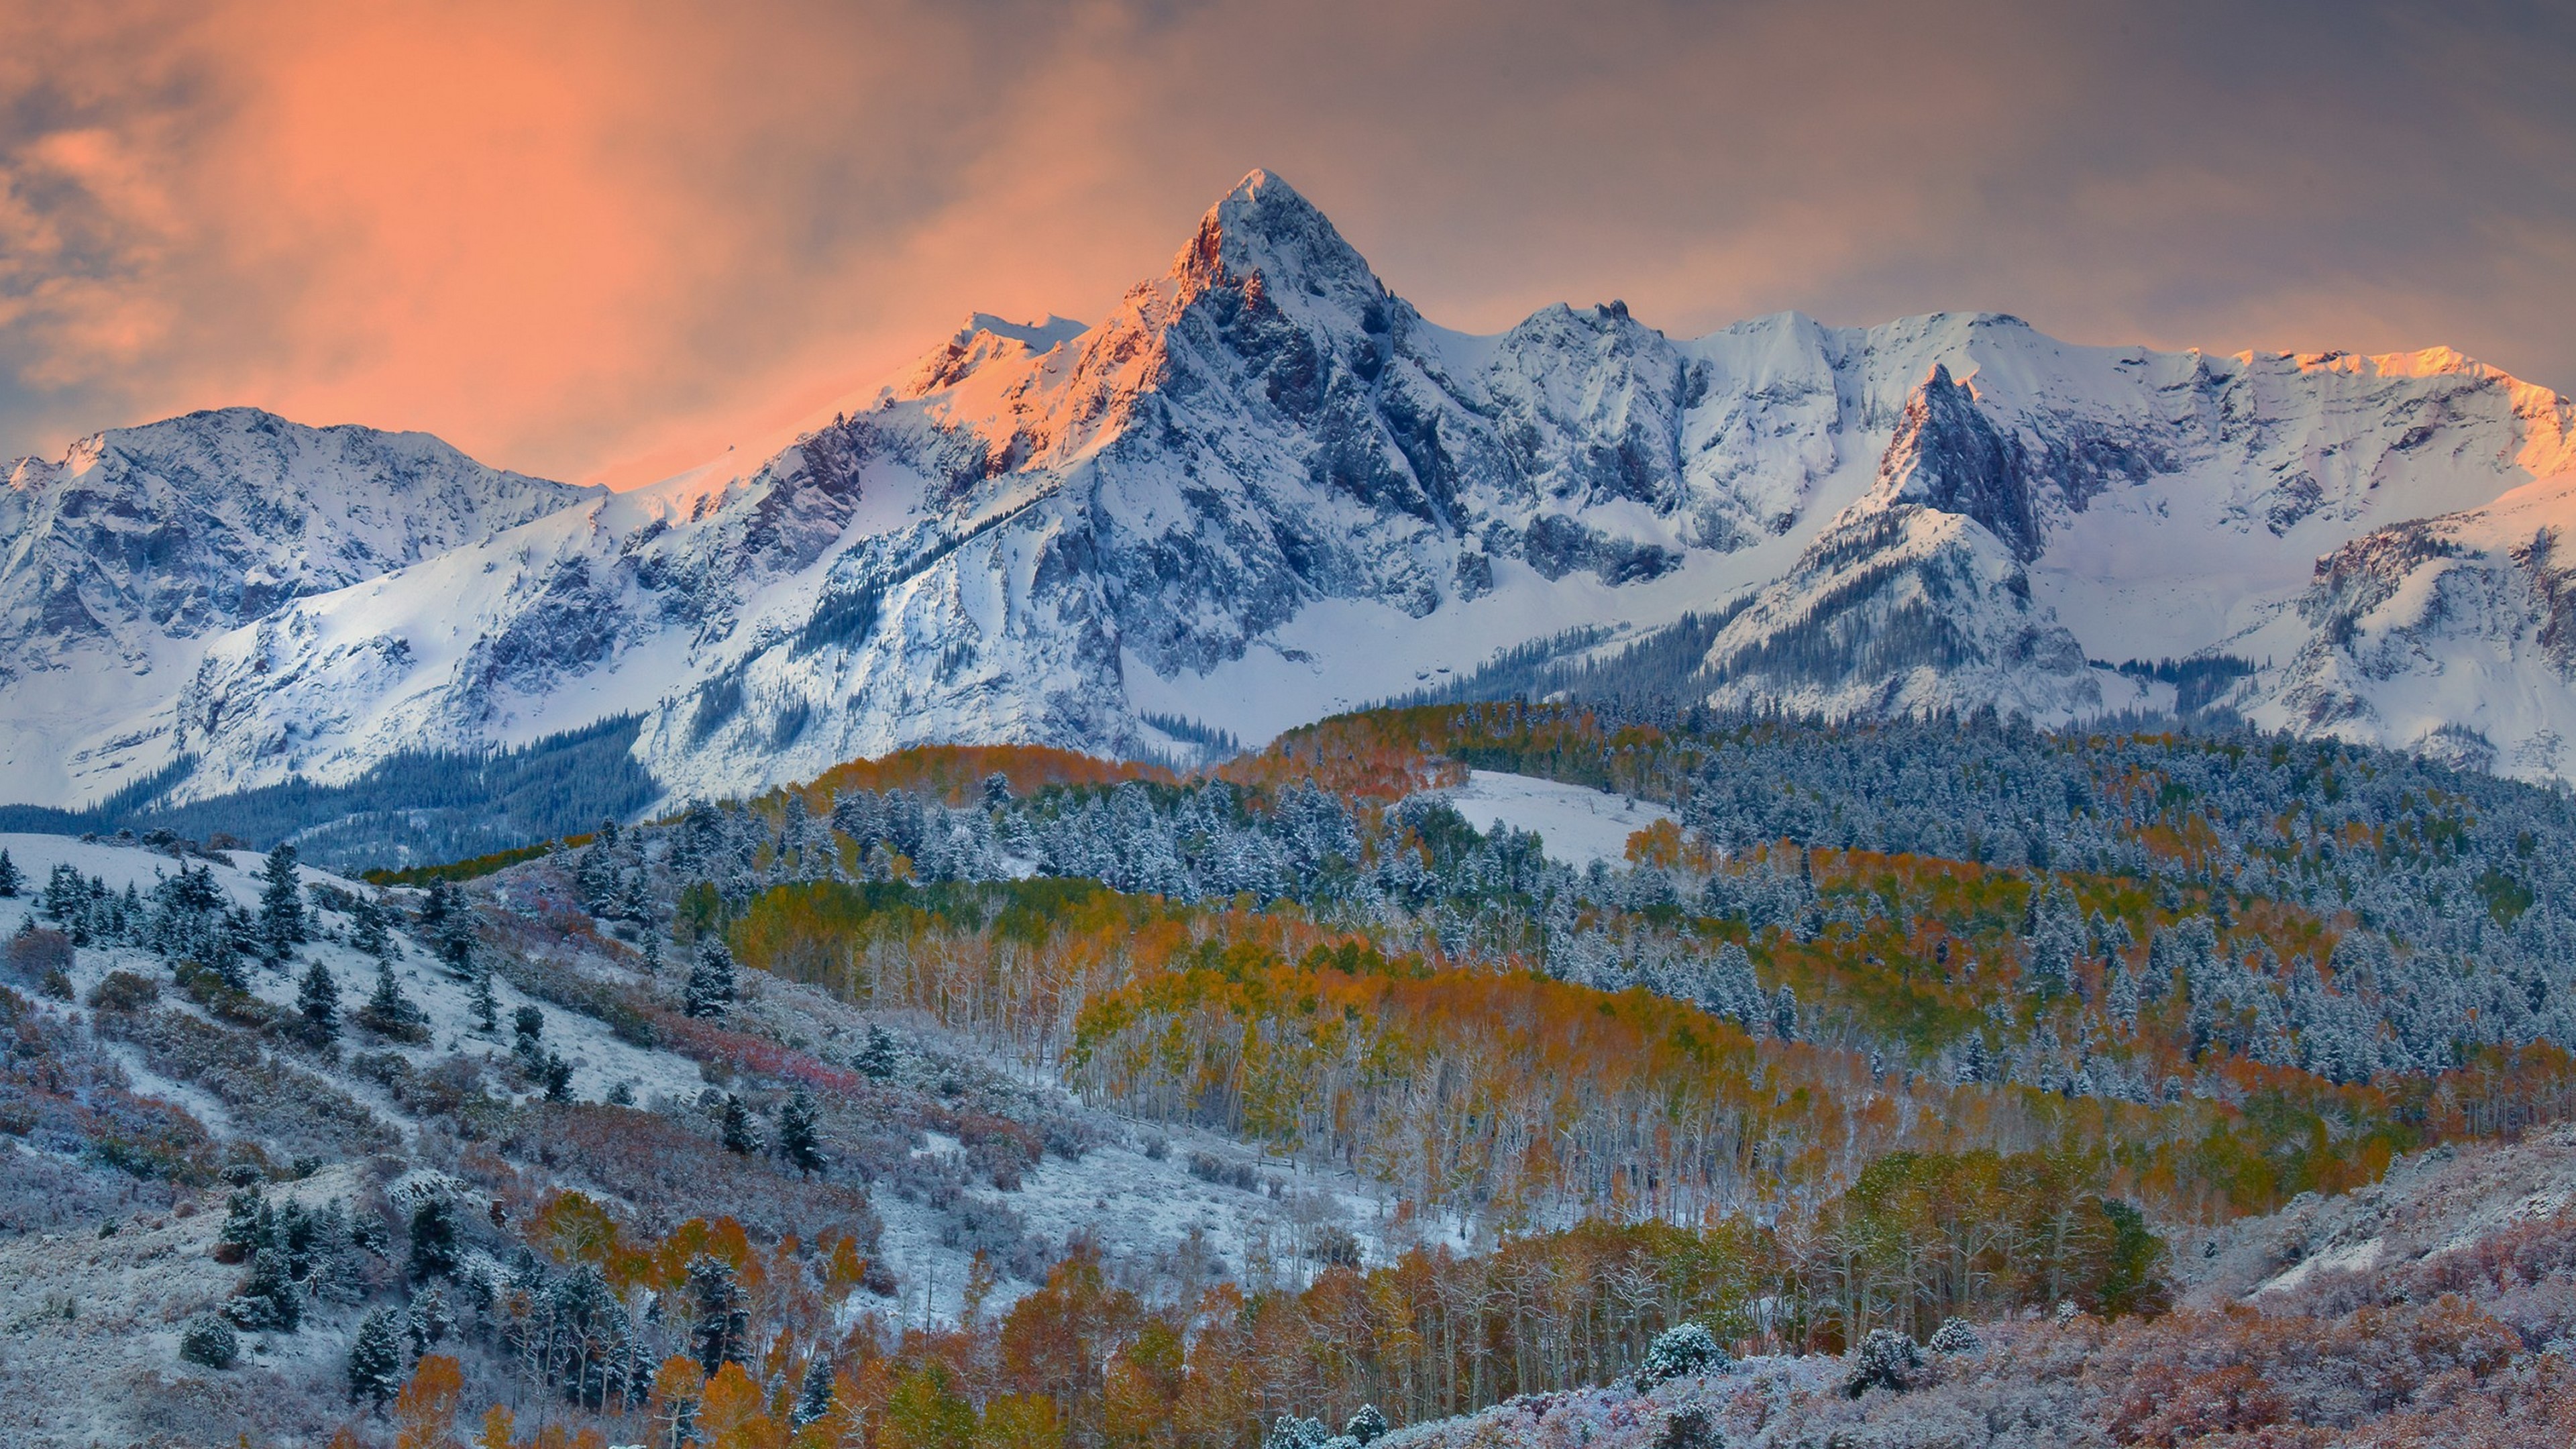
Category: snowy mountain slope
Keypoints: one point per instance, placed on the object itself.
(1266, 488)
(121, 560)
(2454, 635)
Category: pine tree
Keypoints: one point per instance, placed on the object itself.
(720, 1330)
(877, 1059)
(1886, 1359)
(739, 1135)
(11, 879)
(375, 1360)
(389, 1011)
(456, 943)
(814, 1397)
(1290, 1432)
(368, 934)
(447, 928)
(427, 1322)
(433, 1241)
(246, 1225)
(268, 1297)
(235, 936)
(527, 1038)
(798, 1140)
(281, 904)
(1784, 1013)
(711, 985)
(487, 1007)
(318, 998)
(1683, 1349)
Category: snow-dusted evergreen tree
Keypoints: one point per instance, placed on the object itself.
(877, 1057)
(281, 904)
(2052, 939)
(814, 1396)
(389, 1011)
(435, 1248)
(711, 980)
(209, 1340)
(447, 928)
(1885, 1359)
(2120, 993)
(12, 880)
(426, 1323)
(1784, 1013)
(367, 931)
(268, 1297)
(554, 1075)
(375, 1359)
(1291, 1432)
(485, 1005)
(436, 908)
(317, 1000)
(720, 1321)
(799, 1133)
(739, 1134)
(1730, 989)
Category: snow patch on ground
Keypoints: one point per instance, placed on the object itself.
(1579, 825)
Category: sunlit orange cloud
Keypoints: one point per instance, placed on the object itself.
(604, 241)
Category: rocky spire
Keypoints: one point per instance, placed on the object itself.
(1947, 455)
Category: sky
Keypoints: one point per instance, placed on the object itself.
(603, 242)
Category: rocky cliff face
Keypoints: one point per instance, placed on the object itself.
(1263, 489)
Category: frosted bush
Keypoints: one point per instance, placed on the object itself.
(1290, 1432)
(1886, 1359)
(210, 1341)
(1686, 1349)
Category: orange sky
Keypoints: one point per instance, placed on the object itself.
(604, 241)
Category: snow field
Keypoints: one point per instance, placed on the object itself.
(1578, 825)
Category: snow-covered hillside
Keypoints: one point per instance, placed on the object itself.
(1139, 1191)
(1266, 488)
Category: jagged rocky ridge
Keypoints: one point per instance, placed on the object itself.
(1266, 488)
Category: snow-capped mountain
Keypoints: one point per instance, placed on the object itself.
(1267, 488)
(122, 563)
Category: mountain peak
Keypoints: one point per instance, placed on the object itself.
(1948, 455)
(1260, 180)
(1264, 226)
